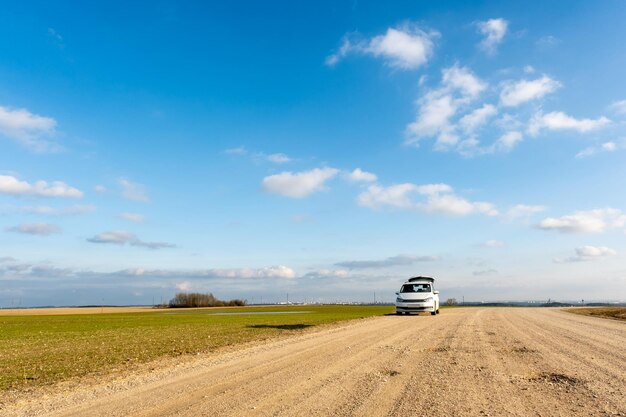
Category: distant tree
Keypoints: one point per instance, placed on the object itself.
(451, 302)
(194, 299)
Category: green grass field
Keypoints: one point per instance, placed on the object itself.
(615, 313)
(43, 349)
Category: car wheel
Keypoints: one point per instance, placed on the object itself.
(398, 313)
(432, 313)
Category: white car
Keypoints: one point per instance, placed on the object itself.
(416, 295)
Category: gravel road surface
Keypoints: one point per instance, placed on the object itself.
(464, 362)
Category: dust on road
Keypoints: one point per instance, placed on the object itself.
(464, 362)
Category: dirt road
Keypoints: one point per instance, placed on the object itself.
(466, 361)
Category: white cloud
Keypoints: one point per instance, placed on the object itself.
(560, 121)
(508, 141)
(41, 229)
(455, 205)
(300, 184)
(131, 217)
(279, 271)
(522, 210)
(183, 286)
(619, 106)
(515, 93)
(61, 211)
(440, 199)
(459, 86)
(123, 237)
(327, 273)
(434, 189)
(605, 147)
(358, 175)
(591, 221)
(278, 158)
(181, 276)
(433, 117)
(240, 150)
(462, 79)
(477, 118)
(548, 41)
(494, 31)
(396, 195)
(100, 189)
(406, 47)
(493, 244)
(588, 253)
(27, 128)
(13, 186)
(398, 260)
(133, 191)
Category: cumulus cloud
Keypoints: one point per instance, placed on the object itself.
(558, 120)
(397, 196)
(327, 273)
(131, 217)
(278, 271)
(180, 275)
(183, 286)
(591, 221)
(123, 237)
(405, 47)
(358, 175)
(493, 31)
(13, 186)
(28, 129)
(610, 146)
(57, 211)
(515, 93)
(133, 191)
(398, 260)
(588, 253)
(459, 87)
(437, 198)
(300, 184)
(40, 229)
(477, 118)
(507, 141)
(278, 158)
(619, 106)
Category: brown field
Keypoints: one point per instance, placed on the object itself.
(615, 313)
(464, 362)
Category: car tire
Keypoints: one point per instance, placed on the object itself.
(432, 313)
(398, 313)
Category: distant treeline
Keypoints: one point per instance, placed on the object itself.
(195, 299)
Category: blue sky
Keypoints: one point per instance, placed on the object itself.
(327, 150)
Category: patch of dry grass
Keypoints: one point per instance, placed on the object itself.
(615, 313)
